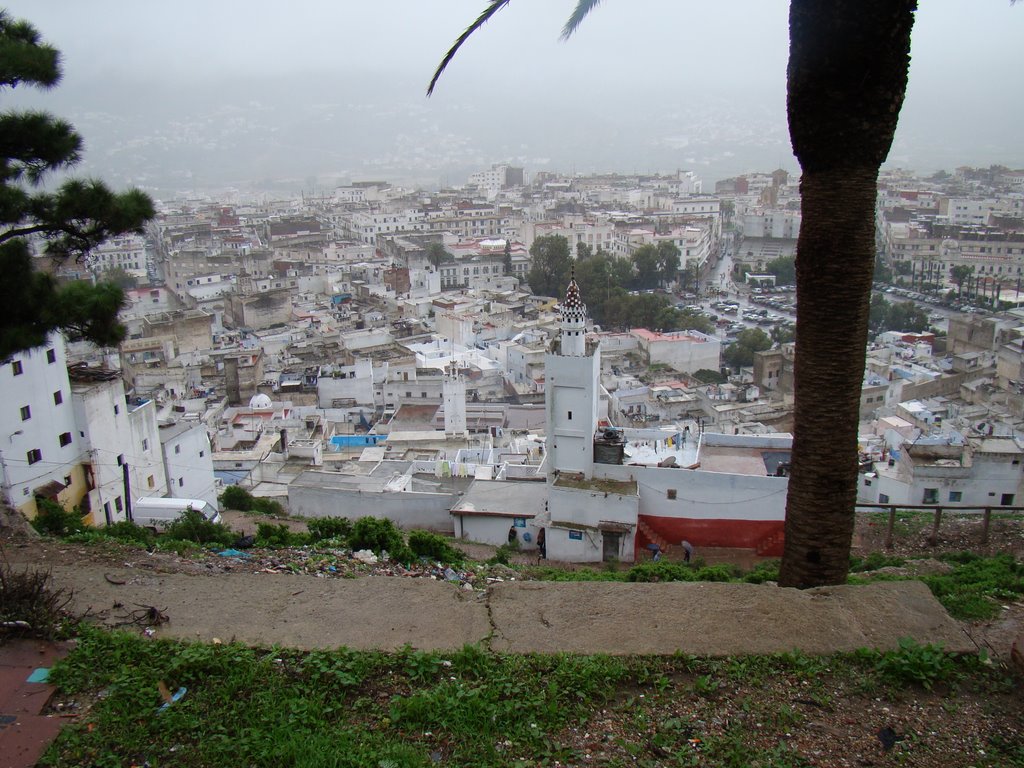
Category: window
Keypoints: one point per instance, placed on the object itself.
(67, 480)
(145, 444)
(671, 493)
(118, 504)
(423, 394)
(16, 368)
(26, 413)
(151, 481)
(576, 535)
(34, 455)
(867, 482)
(120, 460)
(570, 415)
(1006, 500)
(956, 496)
(931, 496)
(65, 439)
(181, 481)
(201, 454)
(58, 397)
(177, 449)
(51, 356)
(883, 498)
(117, 410)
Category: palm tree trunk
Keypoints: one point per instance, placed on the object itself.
(846, 81)
(833, 281)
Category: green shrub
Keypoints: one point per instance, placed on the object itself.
(321, 528)
(268, 507)
(434, 547)
(270, 535)
(503, 554)
(192, 526)
(716, 573)
(924, 665)
(379, 534)
(238, 498)
(53, 519)
(971, 589)
(661, 571)
(874, 561)
(762, 572)
(128, 531)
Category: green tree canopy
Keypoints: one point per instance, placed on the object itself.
(437, 255)
(550, 265)
(68, 220)
(740, 353)
(901, 316)
(784, 269)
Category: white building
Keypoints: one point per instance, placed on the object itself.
(127, 252)
(40, 446)
(948, 471)
(187, 462)
(116, 433)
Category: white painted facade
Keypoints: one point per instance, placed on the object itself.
(39, 442)
(187, 463)
(985, 472)
(102, 416)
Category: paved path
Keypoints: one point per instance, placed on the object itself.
(386, 613)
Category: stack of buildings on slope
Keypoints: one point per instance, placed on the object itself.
(312, 350)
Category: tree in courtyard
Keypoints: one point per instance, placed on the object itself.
(648, 267)
(121, 278)
(437, 255)
(960, 273)
(506, 257)
(550, 263)
(67, 221)
(846, 80)
(668, 262)
(740, 354)
(784, 269)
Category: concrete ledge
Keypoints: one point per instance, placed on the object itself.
(713, 619)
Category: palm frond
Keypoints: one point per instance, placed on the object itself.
(492, 8)
(583, 7)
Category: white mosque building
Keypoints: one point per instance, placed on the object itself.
(608, 493)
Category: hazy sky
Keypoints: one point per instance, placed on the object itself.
(193, 93)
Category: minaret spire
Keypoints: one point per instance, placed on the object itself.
(574, 319)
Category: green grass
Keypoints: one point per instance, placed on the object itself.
(273, 707)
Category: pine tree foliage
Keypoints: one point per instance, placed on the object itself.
(67, 220)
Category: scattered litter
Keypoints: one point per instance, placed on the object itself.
(234, 553)
(888, 737)
(111, 580)
(40, 675)
(145, 616)
(168, 697)
(451, 575)
(365, 556)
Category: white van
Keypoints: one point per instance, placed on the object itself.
(157, 513)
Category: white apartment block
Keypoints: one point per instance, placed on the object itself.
(127, 252)
(115, 433)
(40, 446)
(364, 227)
(187, 463)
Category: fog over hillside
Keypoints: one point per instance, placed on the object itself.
(191, 97)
